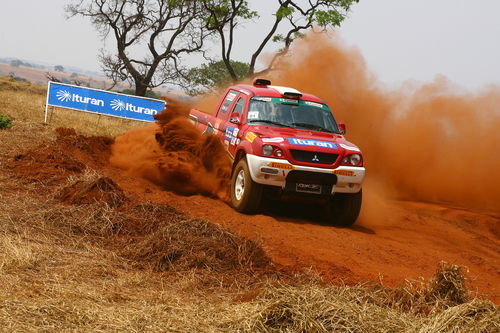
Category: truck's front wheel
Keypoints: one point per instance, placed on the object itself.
(245, 193)
(344, 208)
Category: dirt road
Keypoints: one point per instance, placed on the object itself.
(394, 241)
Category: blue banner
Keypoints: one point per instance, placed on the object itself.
(103, 102)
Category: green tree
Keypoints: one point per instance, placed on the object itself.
(213, 74)
(291, 19)
(59, 68)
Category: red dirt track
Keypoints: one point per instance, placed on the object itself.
(392, 241)
(410, 242)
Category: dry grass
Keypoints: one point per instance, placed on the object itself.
(25, 102)
(78, 255)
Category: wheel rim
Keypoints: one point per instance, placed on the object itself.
(239, 185)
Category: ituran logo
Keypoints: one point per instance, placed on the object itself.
(63, 95)
(315, 143)
(66, 96)
(117, 105)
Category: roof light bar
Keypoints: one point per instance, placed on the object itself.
(261, 82)
(293, 95)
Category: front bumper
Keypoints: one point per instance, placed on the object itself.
(273, 171)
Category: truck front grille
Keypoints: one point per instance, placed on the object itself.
(313, 157)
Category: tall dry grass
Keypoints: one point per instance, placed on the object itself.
(61, 268)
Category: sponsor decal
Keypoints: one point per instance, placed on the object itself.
(349, 147)
(229, 133)
(314, 143)
(318, 105)
(263, 99)
(287, 100)
(278, 165)
(253, 115)
(348, 173)
(250, 136)
(235, 135)
(217, 123)
(230, 97)
(273, 140)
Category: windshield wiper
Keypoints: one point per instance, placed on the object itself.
(269, 122)
(312, 126)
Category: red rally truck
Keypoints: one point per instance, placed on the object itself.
(286, 143)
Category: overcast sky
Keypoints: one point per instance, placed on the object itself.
(400, 39)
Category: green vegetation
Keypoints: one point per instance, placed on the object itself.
(5, 122)
(214, 74)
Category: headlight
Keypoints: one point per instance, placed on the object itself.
(267, 150)
(278, 153)
(355, 159)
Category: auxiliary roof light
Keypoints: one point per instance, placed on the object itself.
(261, 82)
(292, 95)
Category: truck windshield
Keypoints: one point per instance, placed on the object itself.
(273, 111)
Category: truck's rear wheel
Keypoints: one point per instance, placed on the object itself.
(245, 193)
(344, 208)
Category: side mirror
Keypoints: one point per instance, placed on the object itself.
(235, 118)
(342, 128)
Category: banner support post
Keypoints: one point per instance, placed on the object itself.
(47, 103)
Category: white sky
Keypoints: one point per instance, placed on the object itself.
(400, 39)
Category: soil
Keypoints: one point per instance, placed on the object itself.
(391, 242)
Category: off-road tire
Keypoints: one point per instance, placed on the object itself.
(343, 209)
(245, 193)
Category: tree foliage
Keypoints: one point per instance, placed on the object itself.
(213, 74)
(292, 17)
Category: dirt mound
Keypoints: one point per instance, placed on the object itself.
(170, 241)
(175, 155)
(47, 164)
(158, 237)
(69, 154)
(102, 189)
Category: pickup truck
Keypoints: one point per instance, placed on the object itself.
(286, 143)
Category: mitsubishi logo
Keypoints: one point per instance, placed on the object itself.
(315, 158)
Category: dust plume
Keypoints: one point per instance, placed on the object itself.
(173, 153)
(429, 142)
